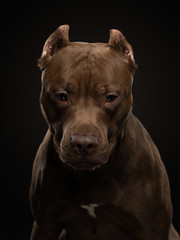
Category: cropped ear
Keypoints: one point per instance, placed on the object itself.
(55, 41)
(118, 41)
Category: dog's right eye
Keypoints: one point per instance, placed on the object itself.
(111, 98)
(62, 97)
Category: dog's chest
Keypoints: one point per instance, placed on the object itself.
(100, 221)
(94, 192)
(95, 198)
(90, 209)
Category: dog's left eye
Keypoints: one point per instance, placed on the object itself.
(62, 97)
(111, 98)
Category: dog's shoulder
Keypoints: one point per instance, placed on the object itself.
(40, 162)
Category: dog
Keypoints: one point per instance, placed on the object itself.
(97, 174)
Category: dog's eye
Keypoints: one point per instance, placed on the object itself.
(62, 97)
(111, 98)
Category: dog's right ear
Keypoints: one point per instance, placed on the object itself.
(55, 41)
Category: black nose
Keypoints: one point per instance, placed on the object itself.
(84, 143)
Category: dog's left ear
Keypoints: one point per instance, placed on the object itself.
(118, 41)
(55, 41)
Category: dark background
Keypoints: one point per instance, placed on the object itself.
(153, 31)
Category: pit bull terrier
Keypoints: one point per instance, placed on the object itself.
(97, 174)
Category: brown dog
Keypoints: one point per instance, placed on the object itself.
(97, 174)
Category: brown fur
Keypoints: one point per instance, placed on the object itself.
(97, 174)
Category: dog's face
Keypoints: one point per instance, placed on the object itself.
(86, 96)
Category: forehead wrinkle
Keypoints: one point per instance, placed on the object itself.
(80, 71)
(86, 67)
(91, 68)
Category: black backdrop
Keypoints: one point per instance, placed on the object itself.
(153, 31)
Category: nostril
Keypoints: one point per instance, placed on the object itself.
(74, 144)
(79, 146)
(90, 146)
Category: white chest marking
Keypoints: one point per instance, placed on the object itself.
(90, 208)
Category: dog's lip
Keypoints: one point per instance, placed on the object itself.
(84, 164)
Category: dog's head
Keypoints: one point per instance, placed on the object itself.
(86, 95)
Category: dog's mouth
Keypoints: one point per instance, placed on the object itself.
(83, 161)
(84, 165)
